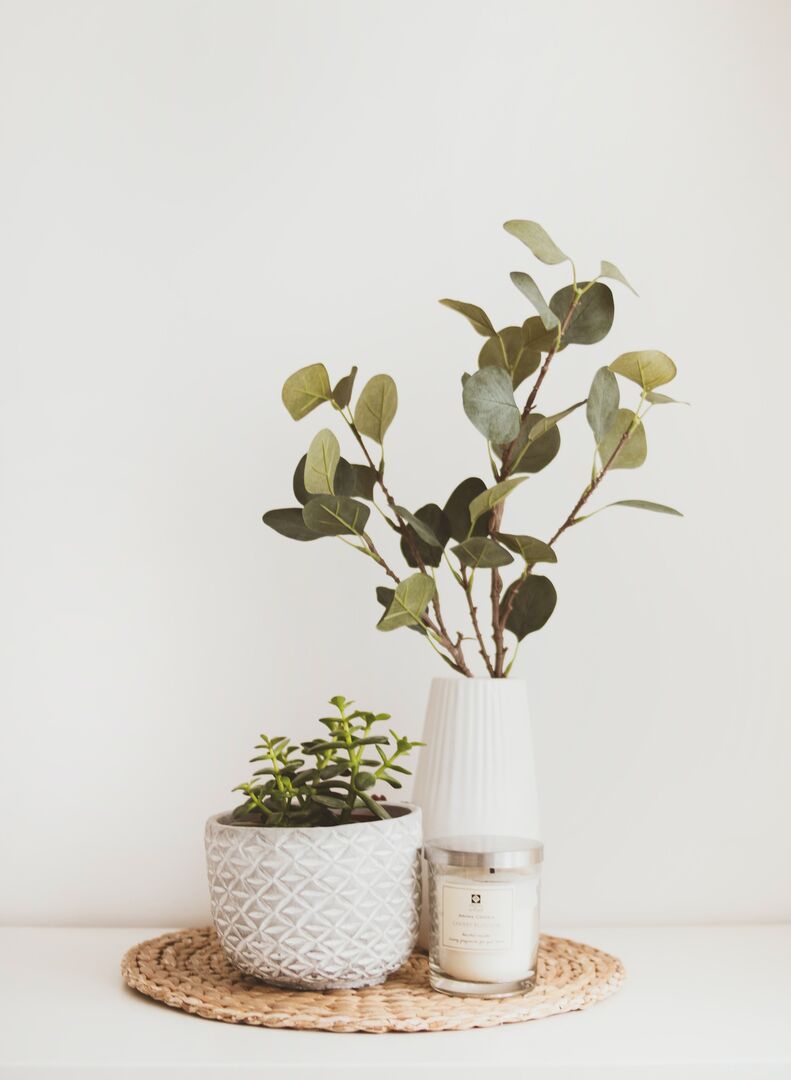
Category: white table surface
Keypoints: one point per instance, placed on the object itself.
(698, 1002)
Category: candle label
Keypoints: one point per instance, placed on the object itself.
(477, 917)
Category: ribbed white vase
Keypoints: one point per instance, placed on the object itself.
(476, 774)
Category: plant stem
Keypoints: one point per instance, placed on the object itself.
(467, 582)
(454, 649)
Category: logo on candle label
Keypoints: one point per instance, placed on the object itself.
(478, 921)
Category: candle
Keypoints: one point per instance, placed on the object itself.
(484, 911)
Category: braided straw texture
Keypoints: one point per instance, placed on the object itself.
(187, 970)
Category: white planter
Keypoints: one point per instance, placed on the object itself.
(317, 908)
(476, 774)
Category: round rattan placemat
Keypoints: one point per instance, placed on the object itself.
(188, 970)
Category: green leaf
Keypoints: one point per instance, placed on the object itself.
(375, 807)
(411, 598)
(434, 521)
(593, 315)
(354, 480)
(662, 399)
(342, 394)
(603, 402)
(385, 597)
(334, 515)
(376, 407)
(328, 800)
(480, 551)
(538, 240)
(531, 549)
(611, 271)
(531, 455)
(488, 499)
(488, 399)
(633, 452)
(289, 522)
(528, 288)
(423, 530)
(323, 456)
(305, 390)
(536, 334)
(457, 509)
(641, 504)
(535, 601)
(546, 423)
(476, 316)
(301, 493)
(509, 351)
(649, 368)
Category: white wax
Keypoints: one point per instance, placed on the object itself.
(487, 925)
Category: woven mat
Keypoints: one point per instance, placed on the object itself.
(188, 970)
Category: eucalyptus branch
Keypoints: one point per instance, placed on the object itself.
(333, 492)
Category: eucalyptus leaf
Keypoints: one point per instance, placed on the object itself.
(593, 315)
(633, 452)
(457, 509)
(535, 601)
(603, 402)
(385, 595)
(537, 336)
(488, 399)
(436, 522)
(531, 549)
(538, 240)
(662, 399)
(305, 390)
(480, 551)
(611, 271)
(528, 288)
(376, 407)
(476, 316)
(354, 480)
(546, 423)
(648, 368)
(342, 394)
(509, 351)
(335, 515)
(423, 530)
(642, 504)
(531, 455)
(289, 522)
(323, 456)
(301, 493)
(490, 498)
(410, 600)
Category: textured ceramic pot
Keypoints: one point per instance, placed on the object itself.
(476, 774)
(317, 908)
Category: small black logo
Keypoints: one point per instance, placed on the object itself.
(475, 898)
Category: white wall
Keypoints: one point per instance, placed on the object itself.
(198, 198)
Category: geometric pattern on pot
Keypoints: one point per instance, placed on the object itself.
(316, 908)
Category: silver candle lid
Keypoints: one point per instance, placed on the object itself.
(490, 852)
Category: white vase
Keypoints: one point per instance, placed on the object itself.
(476, 774)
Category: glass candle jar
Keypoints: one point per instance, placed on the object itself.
(483, 906)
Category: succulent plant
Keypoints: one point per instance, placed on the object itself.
(337, 784)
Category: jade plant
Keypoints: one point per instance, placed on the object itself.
(467, 534)
(287, 791)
